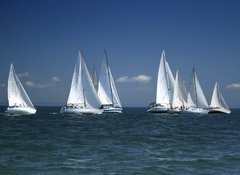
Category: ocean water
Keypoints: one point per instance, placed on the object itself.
(134, 142)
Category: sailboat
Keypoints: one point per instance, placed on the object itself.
(83, 98)
(218, 104)
(18, 100)
(201, 105)
(165, 86)
(107, 91)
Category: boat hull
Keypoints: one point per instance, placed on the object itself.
(195, 111)
(158, 109)
(219, 111)
(21, 110)
(112, 110)
(80, 111)
(174, 111)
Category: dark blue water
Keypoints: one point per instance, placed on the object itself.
(134, 142)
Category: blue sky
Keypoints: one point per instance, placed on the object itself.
(42, 38)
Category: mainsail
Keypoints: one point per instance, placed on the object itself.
(189, 103)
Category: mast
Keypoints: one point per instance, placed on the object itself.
(109, 77)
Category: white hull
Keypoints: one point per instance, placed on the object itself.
(65, 110)
(174, 111)
(195, 111)
(219, 110)
(112, 110)
(21, 110)
(158, 109)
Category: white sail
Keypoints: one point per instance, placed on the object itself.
(76, 95)
(190, 103)
(107, 91)
(178, 100)
(165, 83)
(223, 102)
(89, 91)
(200, 98)
(82, 97)
(17, 96)
(217, 99)
(94, 77)
(116, 99)
(184, 92)
(171, 81)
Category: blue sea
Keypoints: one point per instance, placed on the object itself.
(134, 142)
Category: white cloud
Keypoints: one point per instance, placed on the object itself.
(43, 85)
(140, 79)
(24, 74)
(234, 86)
(40, 86)
(56, 79)
(123, 79)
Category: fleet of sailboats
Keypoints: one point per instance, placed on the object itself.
(173, 97)
(92, 94)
